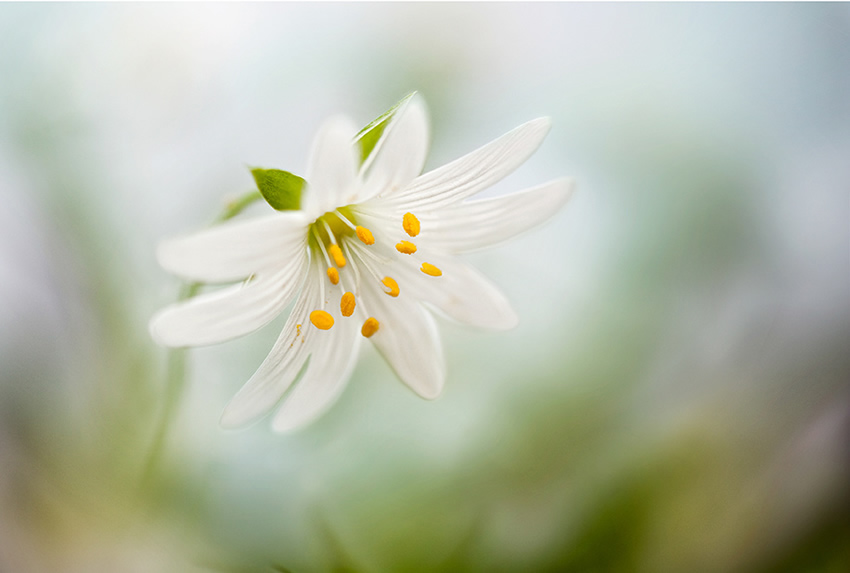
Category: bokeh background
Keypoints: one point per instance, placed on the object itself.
(676, 397)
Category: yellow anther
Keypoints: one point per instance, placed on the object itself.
(346, 304)
(335, 252)
(321, 319)
(370, 327)
(431, 270)
(410, 224)
(405, 247)
(365, 235)
(333, 274)
(391, 285)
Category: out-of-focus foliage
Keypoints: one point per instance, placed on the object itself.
(675, 399)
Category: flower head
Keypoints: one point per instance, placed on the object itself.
(371, 242)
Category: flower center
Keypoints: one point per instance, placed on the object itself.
(338, 239)
(332, 227)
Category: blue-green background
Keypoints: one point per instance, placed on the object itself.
(676, 397)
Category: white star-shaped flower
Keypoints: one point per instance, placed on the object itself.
(373, 243)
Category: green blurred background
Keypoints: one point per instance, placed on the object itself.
(676, 397)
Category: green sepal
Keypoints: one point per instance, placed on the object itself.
(370, 135)
(280, 189)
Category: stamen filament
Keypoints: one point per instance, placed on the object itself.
(344, 219)
(359, 251)
(372, 255)
(321, 245)
(353, 267)
(331, 236)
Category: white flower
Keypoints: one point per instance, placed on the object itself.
(373, 241)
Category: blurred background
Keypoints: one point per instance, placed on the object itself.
(676, 397)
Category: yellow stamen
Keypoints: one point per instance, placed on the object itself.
(391, 285)
(410, 224)
(365, 235)
(405, 247)
(370, 327)
(333, 274)
(431, 270)
(335, 252)
(346, 304)
(321, 319)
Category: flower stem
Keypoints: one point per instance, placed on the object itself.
(175, 377)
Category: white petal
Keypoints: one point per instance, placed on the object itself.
(461, 293)
(281, 366)
(408, 340)
(399, 155)
(332, 169)
(333, 359)
(234, 251)
(475, 171)
(229, 312)
(487, 222)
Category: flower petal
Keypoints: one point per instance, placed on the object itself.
(461, 293)
(234, 251)
(475, 171)
(479, 224)
(333, 359)
(229, 312)
(332, 169)
(281, 366)
(408, 340)
(400, 154)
